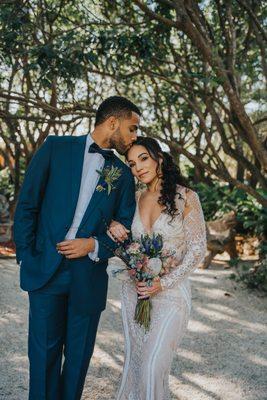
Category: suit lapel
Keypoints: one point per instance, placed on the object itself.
(97, 197)
(77, 157)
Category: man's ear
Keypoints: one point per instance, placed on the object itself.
(113, 123)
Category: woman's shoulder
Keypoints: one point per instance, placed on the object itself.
(186, 198)
(185, 192)
(181, 192)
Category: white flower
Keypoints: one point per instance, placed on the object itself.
(154, 265)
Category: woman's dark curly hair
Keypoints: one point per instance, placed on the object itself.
(171, 174)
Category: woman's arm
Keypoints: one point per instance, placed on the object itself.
(117, 231)
(195, 238)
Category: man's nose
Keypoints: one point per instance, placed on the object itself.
(134, 137)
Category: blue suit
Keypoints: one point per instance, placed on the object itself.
(66, 296)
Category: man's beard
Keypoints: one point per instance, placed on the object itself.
(116, 142)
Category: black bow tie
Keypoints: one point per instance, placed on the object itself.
(94, 148)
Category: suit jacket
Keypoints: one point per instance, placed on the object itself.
(45, 211)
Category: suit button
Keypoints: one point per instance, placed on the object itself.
(97, 259)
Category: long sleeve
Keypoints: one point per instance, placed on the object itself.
(124, 214)
(195, 238)
(30, 198)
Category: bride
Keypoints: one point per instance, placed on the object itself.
(166, 206)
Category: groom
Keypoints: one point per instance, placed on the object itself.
(73, 188)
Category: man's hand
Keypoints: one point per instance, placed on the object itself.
(76, 248)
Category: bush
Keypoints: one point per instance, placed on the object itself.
(254, 277)
(217, 200)
(251, 217)
(6, 185)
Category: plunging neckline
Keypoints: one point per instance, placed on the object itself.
(148, 232)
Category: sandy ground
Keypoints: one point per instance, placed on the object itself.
(221, 357)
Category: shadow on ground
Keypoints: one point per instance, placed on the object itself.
(221, 357)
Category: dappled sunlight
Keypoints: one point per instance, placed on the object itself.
(203, 279)
(22, 370)
(217, 316)
(191, 390)
(16, 358)
(105, 359)
(256, 359)
(11, 318)
(223, 308)
(220, 357)
(114, 349)
(200, 327)
(214, 385)
(109, 336)
(189, 355)
(252, 326)
(213, 293)
(214, 315)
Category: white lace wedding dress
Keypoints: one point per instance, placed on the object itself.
(148, 355)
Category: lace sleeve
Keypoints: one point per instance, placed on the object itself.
(195, 238)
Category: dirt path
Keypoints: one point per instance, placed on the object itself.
(221, 358)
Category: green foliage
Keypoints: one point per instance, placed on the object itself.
(47, 41)
(6, 185)
(254, 277)
(218, 200)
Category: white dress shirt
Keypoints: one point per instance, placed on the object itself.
(91, 163)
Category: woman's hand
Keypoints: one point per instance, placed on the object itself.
(118, 231)
(145, 291)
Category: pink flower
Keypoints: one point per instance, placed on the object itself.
(139, 265)
(134, 247)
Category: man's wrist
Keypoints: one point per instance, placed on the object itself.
(91, 244)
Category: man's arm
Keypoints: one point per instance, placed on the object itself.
(30, 199)
(124, 214)
(102, 247)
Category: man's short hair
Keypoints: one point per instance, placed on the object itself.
(115, 106)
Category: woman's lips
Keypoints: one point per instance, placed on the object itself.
(141, 175)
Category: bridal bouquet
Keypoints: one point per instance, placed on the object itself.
(144, 260)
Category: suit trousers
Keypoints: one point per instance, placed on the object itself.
(55, 328)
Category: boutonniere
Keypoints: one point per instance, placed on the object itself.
(109, 176)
